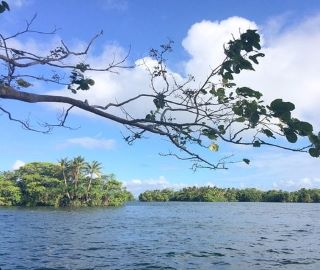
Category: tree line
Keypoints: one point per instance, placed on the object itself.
(215, 194)
(72, 182)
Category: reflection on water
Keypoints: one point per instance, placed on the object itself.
(162, 236)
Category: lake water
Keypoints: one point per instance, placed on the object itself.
(170, 235)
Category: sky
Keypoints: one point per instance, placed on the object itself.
(290, 31)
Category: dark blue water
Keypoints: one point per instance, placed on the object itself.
(162, 236)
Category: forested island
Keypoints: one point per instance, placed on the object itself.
(79, 183)
(215, 194)
(72, 182)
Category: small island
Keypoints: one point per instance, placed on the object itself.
(72, 183)
(215, 194)
(78, 183)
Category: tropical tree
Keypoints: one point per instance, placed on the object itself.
(9, 192)
(64, 164)
(77, 165)
(113, 192)
(48, 184)
(215, 194)
(40, 184)
(204, 114)
(93, 171)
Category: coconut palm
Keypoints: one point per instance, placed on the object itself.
(93, 171)
(76, 165)
(64, 164)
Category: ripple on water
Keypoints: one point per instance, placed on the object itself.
(162, 236)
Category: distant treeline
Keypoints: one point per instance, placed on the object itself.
(72, 182)
(215, 194)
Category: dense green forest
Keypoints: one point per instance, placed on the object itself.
(68, 183)
(215, 194)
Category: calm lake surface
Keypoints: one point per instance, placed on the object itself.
(162, 236)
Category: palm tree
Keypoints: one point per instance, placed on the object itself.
(64, 164)
(93, 171)
(77, 164)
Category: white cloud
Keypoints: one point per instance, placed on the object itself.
(117, 87)
(289, 69)
(269, 168)
(137, 186)
(90, 143)
(296, 184)
(204, 42)
(18, 163)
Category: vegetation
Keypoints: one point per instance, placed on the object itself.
(214, 194)
(203, 114)
(69, 183)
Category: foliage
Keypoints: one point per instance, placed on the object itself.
(69, 183)
(214, 194)
(10, 193)
(4, 6)
(186, 113)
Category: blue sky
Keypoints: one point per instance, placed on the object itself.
(291, 37)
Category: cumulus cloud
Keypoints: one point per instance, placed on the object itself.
(289, 69)
(90, 143)
(118, 87)
(204, 43)
(137, 186)
(273, 169)
(295, 184)
(18, 163)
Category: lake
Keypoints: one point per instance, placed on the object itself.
(173, 235)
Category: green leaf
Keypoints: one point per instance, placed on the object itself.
(304, 128)
(221, 129)
(247, 161)
(254, 118)
(82, 67)
(150, 117)
(253, 58)
(2, 8)
(248, 92)
(240, 119)
(268, 132)
(90, 81)
(256, 144)
(227, 76)
(5, 5)
(314, 139)
(282, 109)
(211, 134)
(23, 83)
(290, 135)
(202, 91)
(314, 152)
(280, 106)
(220, 92)
(229, 85)
(245, 64)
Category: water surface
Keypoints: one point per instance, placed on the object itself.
(174, 235)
